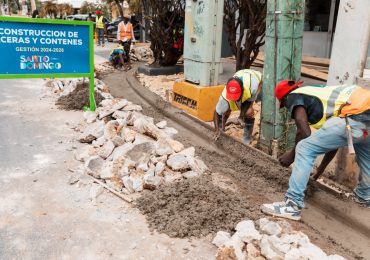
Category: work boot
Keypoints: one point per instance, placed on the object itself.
(361, 201)
(248, 130)
(286, 209)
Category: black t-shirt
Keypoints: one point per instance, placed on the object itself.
(313, 106)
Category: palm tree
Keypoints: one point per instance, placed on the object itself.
(118, 3)
(64, 10)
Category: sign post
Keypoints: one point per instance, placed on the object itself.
(42, 48)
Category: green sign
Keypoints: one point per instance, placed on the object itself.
(42, 48)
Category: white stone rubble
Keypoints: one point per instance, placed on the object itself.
(129, 152)
(268, 241)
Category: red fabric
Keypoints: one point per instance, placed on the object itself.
(233, 90)
(284, 87)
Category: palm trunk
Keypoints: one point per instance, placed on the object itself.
(120, 10)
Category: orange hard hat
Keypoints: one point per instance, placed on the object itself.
(284, 87)
(234, 89)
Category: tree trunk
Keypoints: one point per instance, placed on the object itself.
(119, 7)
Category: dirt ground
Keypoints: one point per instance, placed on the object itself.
(194, 208)
(254, 179)
(78, 98)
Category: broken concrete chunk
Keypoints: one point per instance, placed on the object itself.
(221, 238)
(127, 167)
(128, 134)
(190, 174)
(92, 132)
(114, 184)
(110, 110)
(118, 141)
(140, 139)
(297, 238)
(84, 153)
(110, 129)
(197, 165)
(308, 251)
(270, 227)
(145, 127)
(120, 114)
(188, 152)
(152, 182)
(161, 124)
(247, 231)
(268, 251)
(99, 142)
(132, 107)
(178, 162)
(90, 116)
(253, 252)
(176, 145)
(94, 166)
(107, 170)
(170, 132)
(121, 151)
(106, 149)
(159, 168)
(162, 147)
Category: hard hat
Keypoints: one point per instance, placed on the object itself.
(234, 89)
(284, 87)
(98, 12)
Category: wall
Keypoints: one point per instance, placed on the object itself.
(315, 44)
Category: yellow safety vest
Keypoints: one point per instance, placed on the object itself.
(245, 76)
(99, 22)
(333, 99)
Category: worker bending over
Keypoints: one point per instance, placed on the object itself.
(239, 94)
(119, 57)
(326, 108)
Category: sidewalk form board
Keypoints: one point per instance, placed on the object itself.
(43, 48)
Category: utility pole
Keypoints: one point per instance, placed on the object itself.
(283, 55)
(33, 5)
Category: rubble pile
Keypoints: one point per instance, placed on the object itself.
(141, 53)
(74, 93)
(265, 239)
(103, 69)
(128, 151)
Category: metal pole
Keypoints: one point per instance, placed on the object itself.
(283, 55)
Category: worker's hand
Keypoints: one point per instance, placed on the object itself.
(287, 159)
(316, 174)
(217, 134)
(241, 122)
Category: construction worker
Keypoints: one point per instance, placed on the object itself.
(100, 27)
(119, 57)
(125, 31)
(331, 110)
(239, 94)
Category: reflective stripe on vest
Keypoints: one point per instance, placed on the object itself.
(333, 98)
(245, 77)
(126, 33)
(99, 22)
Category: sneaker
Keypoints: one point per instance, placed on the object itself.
(286, 209)
(361, 201)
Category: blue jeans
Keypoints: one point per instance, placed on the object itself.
(100, 35)
(331, 136)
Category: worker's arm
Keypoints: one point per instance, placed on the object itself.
(132, 32)
(121, 59)
(324, 163)
(303, 131)
(243, 111)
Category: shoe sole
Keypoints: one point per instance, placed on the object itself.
(268, 212)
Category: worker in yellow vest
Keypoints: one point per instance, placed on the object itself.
(239, 94)
(125, 31)
(332, 110)
(100, 27)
